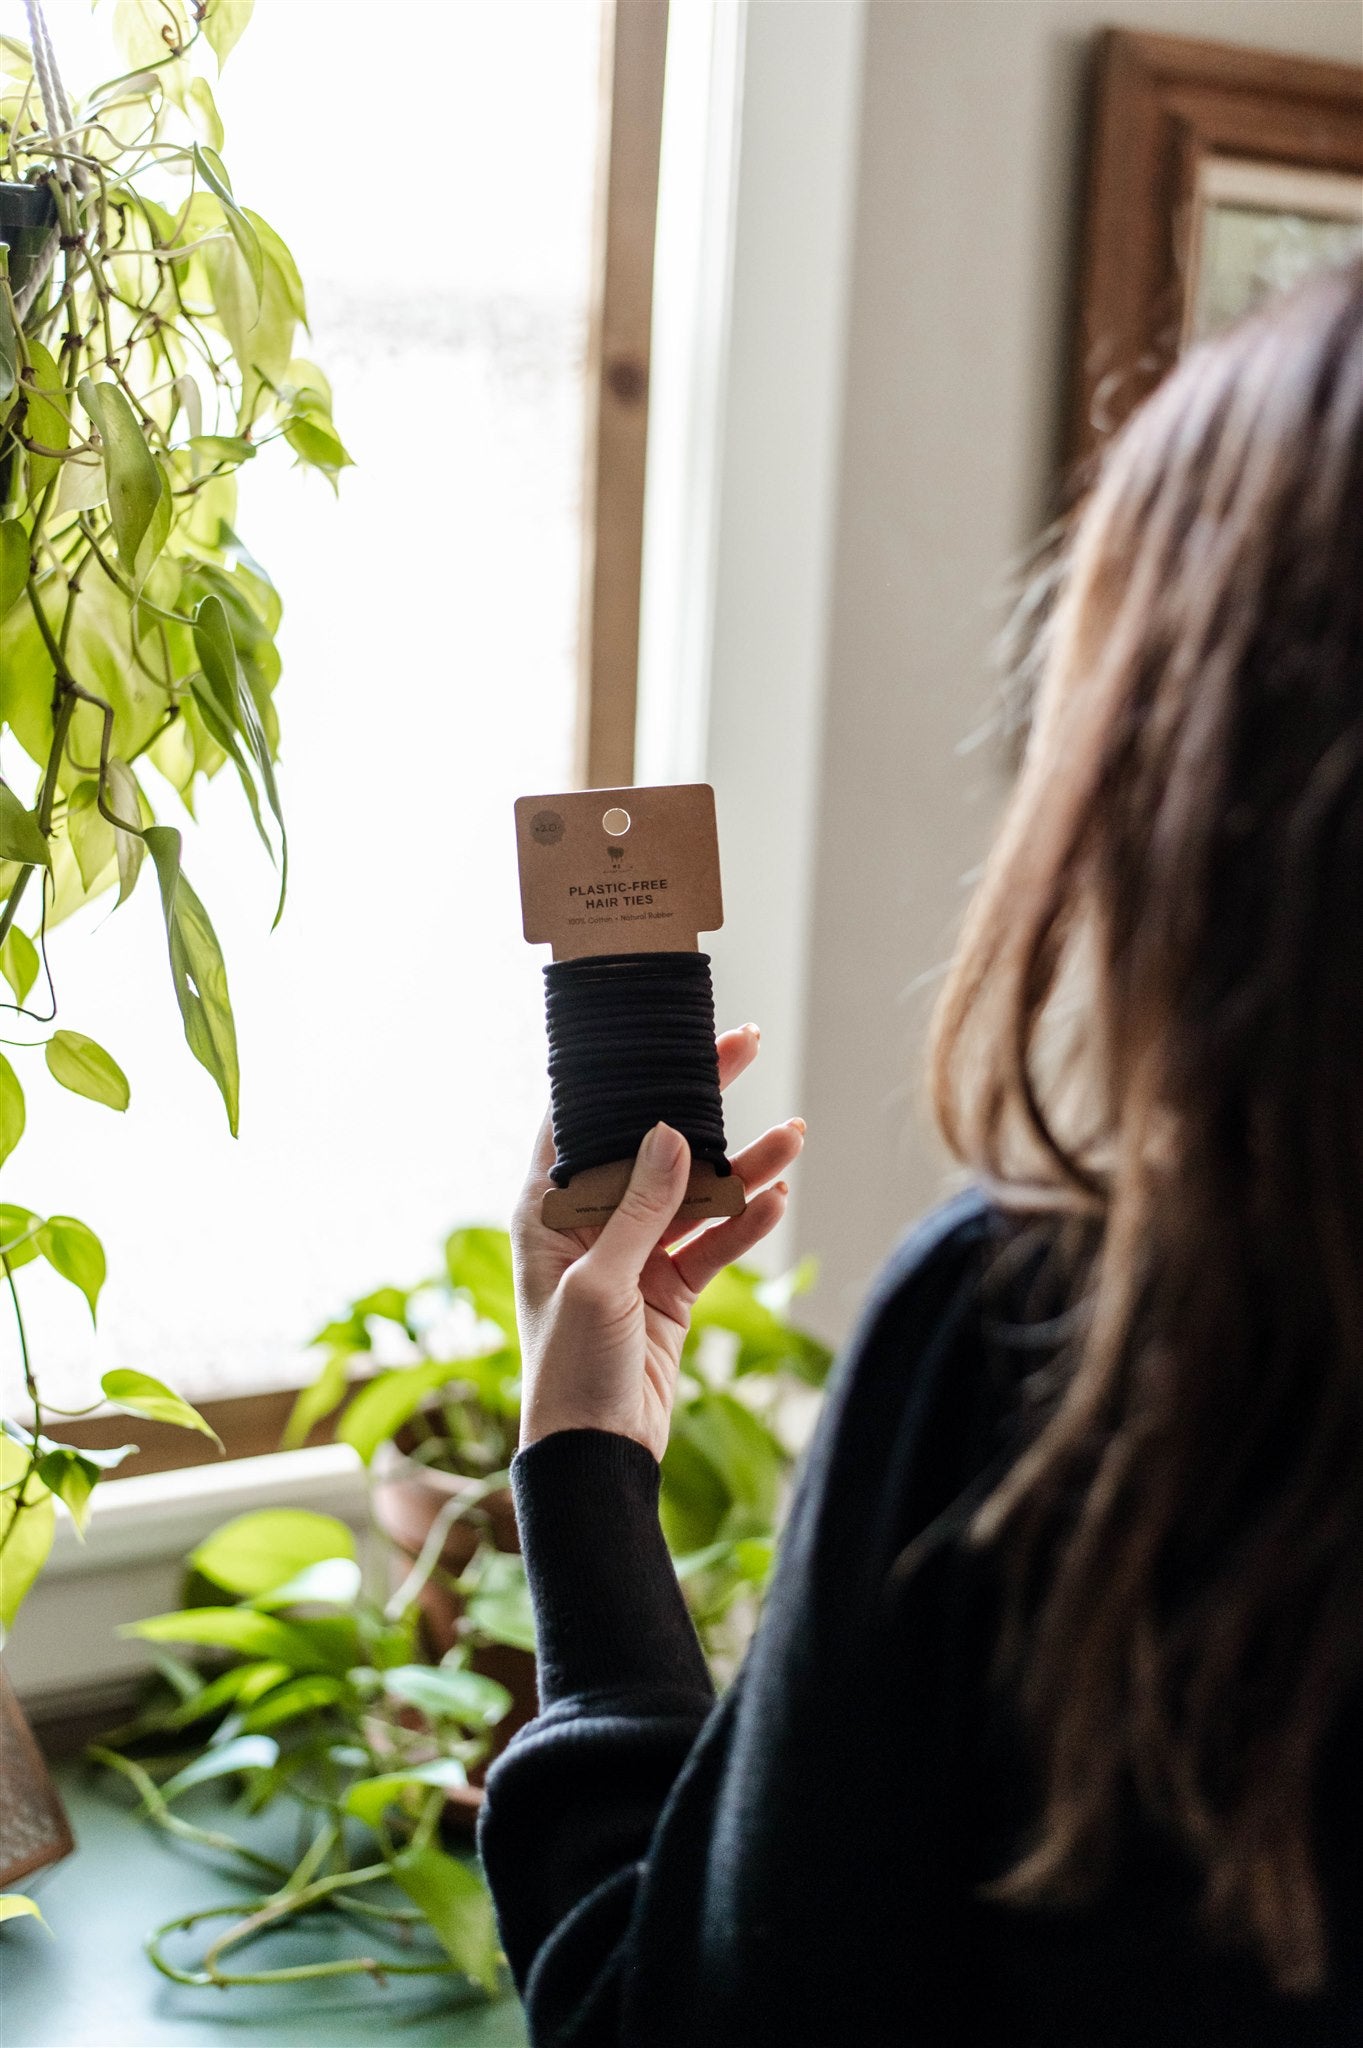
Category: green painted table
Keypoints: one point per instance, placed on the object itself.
(89, 1985)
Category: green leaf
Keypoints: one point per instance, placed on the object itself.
(202, 110)
(16, 59)
(478, 1263)
(291, 1701)
(389, 1303)
(455, 1901)
(326, 1392)
(279, 258)
(136, 486)
(78, 1063)
(47, 420)
(240, 1686)
(138, 26)
(14, 1906)
(212, 170)
(368, 1799)
(19, 962)
(18, 1234)
(84, 483)
(254, 1553)
(11, 1109)
(72, 1477)
(305, 388)
(499, 1605)
(693, 1500)
(445, 1692)
(125, 801)
(9, 349)
(224, 1760)
(196, 965)
(108, 1458)
(211, 449)
(386, 1402)
(749, 1460)
(331, 1582)
(139, 1394)
(317, 445)
(740, 1301)
(229, 710)
(13, 562)
(241, 1629)
(29, 1507)
(21, 836)
(224, 24)
(91, 836)
(72, 1249)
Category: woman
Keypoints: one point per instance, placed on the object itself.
(1050, 1732)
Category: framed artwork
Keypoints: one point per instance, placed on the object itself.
(1217, 175)
(34, 1830)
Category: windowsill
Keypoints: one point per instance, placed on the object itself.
(249, 1425)
(65, 1650)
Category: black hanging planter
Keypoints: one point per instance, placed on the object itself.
(27, 213)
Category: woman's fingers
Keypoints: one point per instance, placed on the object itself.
(633, 1229)
(697, 1263)
(537, 1178)
(542, 1157)
(736, 1050)
(769, 1156)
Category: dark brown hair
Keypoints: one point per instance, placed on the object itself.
(1155, 1025)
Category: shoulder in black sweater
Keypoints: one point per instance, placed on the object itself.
(800, 1863)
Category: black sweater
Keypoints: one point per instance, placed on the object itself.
(800, 1864)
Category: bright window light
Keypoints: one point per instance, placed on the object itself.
(432, 172)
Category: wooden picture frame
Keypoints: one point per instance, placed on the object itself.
(34, 1830)
(1181, 127)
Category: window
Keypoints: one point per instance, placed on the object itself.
(438, 195)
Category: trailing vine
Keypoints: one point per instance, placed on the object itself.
(148, 322)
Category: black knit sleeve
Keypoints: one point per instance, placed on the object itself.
(666, 1870)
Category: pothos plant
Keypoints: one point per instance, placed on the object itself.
(147, 337)
(435, 1370)
(320, 1703)
(316, 1706)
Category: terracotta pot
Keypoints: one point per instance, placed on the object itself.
(407, 1497)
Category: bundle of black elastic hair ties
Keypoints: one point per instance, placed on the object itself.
(631, 1044)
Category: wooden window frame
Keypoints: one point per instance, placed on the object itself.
(634, 48)
(1163, 103)
(634, 45)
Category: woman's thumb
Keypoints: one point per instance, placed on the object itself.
(649, 1203)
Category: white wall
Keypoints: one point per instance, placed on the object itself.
(963, 232)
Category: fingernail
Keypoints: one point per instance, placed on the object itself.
(662, 1147)
(782, 1187)
(797, 1123)
(753, 1030)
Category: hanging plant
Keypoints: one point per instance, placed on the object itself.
(147, 331)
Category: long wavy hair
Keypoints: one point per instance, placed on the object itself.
(1154, 1027)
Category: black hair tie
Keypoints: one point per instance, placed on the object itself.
(631, 1044)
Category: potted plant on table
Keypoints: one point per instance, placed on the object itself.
(425, 1385)
(321, 1702)
(147, 332)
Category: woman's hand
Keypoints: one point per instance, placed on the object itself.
(603, 1313)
